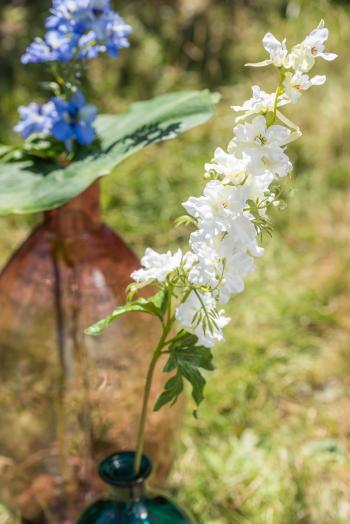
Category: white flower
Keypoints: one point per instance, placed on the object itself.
(277, 50)
(263, 146)
(157, 266)
(217, 207)
(236, 268)
(189, 260)
(199, 316)
(217, 255)
(303, 55)
(260, 102)
(207, 269)
(314, 43)
(231, 168)
(271, 160)
(258, 186)
(295, 83)
(242, 237)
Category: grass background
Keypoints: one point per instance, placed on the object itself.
(271, 445)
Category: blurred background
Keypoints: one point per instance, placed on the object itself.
(272, 442)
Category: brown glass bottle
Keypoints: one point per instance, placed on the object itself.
(66, 399)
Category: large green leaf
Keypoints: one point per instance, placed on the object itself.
(32, 186)
(186, 357)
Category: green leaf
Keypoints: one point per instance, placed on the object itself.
(160, 301)
(152, 306)
(35, 185)
(186, 358)
(172, 390)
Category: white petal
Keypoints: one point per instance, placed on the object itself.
(318, 80)
(328, 56)
(259, 64)
(271, 43)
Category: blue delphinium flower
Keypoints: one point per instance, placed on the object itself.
(55, 46)
(65, 121)
(74, 121)
(36, 118)
(79, 29)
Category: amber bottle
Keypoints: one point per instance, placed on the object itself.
(66, 399)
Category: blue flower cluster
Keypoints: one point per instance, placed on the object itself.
(79, 29)
(35, 118)
(65, 121)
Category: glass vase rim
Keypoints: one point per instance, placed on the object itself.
(117, 469)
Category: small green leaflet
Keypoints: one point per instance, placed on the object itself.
(156, 306)
(186, 358)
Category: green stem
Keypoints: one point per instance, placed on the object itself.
(146, 396)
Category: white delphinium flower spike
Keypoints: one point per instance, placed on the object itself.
(232, 212)
(229, 219)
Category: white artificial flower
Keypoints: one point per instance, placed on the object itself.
(277, 50)
(231, 168)
(236, 268)
(218, 206)
(209, 267)
(205, 271)
(157, 266)
(263, 146)
(242, 237)
(271, 160)
(199, 316)
(302, 57)
(260, 102)
(224, 256)
(189, 260)
(258, 186)
(314, 43)
(295, 83)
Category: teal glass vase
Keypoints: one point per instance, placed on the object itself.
(129, 502)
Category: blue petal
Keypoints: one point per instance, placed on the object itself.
(84, 133)
(88, 113)
(62, 107)
(62, 131)
(77, 101)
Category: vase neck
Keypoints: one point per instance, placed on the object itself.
(129, 493)
(80, 215)
(117, 470)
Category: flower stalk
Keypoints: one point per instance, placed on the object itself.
(146, 397)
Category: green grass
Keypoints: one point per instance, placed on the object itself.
(271, 445)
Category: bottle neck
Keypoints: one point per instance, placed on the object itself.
(82, 214)
(131, 493)
(117, 470)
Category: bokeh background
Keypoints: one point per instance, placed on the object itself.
(272, 442)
